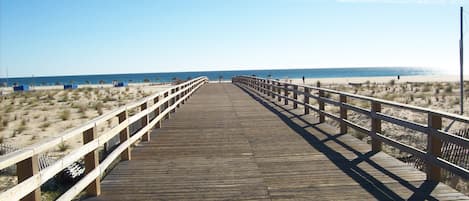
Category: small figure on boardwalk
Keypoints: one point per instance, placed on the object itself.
(303, 79)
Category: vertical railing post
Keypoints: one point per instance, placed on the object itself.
(184, 92)
(264, 91)
(124, 135)
(322, 118)
(258, 85)
(285, 93)
(157, 112)
(433, 147)
(92, 162)
(279, 92)
(178, 96)
(376, 145)
(343, 113)
(173, 100)
(268, 88)
(306, 99)
(295, 96)
(25, 169)
(145, 121)
(166, 105)
(272, 88)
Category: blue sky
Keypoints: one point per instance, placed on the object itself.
(45, 37)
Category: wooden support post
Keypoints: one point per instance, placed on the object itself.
(173, 100)
(184, 92)
(273, 89)
(178, 96)
(295, 96)
(145, 121)
(157, 113)
(322, 118)
(268, 88)
(92, 162)
(285, 93)
(264, 91)
(433, 147)
(343, 114)
(124, 135)
(25, 169)
(376, 145)
(306, 99)
(166, 106)
(279, 92)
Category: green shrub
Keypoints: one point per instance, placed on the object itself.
(449, 89)
(63, 146)
(21, 129)
(426, 88)
(65, 115)
(99, 108)
(44, 126)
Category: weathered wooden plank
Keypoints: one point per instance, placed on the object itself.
(225, 145)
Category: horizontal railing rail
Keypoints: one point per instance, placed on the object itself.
(30, 178)
(433, 127)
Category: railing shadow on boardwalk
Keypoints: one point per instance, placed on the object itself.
(372, 185)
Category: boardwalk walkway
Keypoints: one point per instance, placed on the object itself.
(227, 143)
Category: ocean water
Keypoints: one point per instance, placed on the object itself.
(215, 75)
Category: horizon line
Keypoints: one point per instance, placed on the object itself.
(226, 70)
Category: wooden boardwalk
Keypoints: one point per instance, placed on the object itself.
(227, 143)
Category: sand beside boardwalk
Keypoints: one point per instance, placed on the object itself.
(440, 93)
(30, 117)
(48, 111)
(384, 79)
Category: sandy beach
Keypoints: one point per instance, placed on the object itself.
(46, 111)
(30, 117)
(380, 80)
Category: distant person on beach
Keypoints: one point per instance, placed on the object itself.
(303, 79)
(398, 77)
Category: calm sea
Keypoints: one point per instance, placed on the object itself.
(215, 75)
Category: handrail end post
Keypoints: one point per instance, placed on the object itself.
(376, 144)
(26, 169)
(434, 145)
(343, 114)
(92, 162)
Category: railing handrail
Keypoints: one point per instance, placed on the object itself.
(433, 128)
(448, 115)
(171, 98)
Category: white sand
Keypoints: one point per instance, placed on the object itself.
(386, 79)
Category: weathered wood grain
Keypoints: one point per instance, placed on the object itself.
(227, 143)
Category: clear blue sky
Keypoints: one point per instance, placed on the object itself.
(44, 37)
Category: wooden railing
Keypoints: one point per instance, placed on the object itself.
(433, 127)
(30, 178)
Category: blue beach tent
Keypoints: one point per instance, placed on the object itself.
(21, 88)
(121, 84)
(70, 86)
